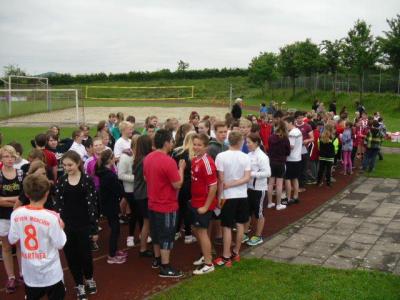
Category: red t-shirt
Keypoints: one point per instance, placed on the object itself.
(204, 174)
(51, 159)
(160, 172)
(265, 133)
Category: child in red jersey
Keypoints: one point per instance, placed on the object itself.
(203, 189)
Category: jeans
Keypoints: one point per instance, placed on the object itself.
(314, 168)
(370, 159)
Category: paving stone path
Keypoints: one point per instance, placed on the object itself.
(357, 229)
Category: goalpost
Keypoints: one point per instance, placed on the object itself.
(39, 105)
(140, 93)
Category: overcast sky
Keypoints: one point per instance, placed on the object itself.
(86, 36)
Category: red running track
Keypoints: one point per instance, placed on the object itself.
(137, 280)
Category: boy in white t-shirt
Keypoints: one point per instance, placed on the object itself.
(293, 162)
(234, 169)
(41, 236)
(124, 142)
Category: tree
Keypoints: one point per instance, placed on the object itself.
(391, 43)
(182, 66)
(299, 58)
(331, 54)
(13, 70)
(263, 68)
(360, 51)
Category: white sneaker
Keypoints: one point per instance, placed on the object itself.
(130, 241)
(280, 207)
(199, 262)
(204, 270)
(270, 205)
(189, 239)
(177, 236)
(149, 240)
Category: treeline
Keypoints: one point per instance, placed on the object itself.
(358, 53)
(59, 79)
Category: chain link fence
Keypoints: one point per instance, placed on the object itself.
(369, 83)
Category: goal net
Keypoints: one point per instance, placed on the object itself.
(139, 92)
(41, 106)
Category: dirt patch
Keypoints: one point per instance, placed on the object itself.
(95, 114)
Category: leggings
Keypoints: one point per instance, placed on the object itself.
(347, 164)
(78, 254)
(325, 166)
(136, 216)
(113, 223)
(184, 216)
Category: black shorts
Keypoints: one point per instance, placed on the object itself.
(235, 210)
(53, 292)
(163, 228)
(293, 169)
(278, 169)
(200, 220)
(256, 203)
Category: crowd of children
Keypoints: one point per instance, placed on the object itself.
(212, 178)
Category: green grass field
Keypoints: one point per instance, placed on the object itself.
(387, 168)
(262, 279)
(216, 91)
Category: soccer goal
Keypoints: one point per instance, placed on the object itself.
(139, 92)
(41, 106)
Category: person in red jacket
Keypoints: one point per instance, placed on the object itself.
(265, 131)
(314, 152)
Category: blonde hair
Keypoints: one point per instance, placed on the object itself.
(9, 149)
(326, 135)
(188, 144)
(123, 125)
(245, 122)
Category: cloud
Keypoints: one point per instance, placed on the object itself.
(118, 36)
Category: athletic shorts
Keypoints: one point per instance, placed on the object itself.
(293, 169)
(163, 228)
(200, 220)
(235, 210)
(256, 203)
(53, 292)
(278, 169)
(4, 227)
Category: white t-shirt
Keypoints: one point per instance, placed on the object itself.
(21, 163)
(120, 145)
(296, 143)
(233, 164)
(40, 237)
(80, 149)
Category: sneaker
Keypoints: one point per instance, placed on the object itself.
(146, 253)
(177, 236)
(11, 285)
(271, 205)
(121, 253)
(149, 240)
(235, 257)
(156, 263)
(199, 262)
(223, 262)
(291, 201)
(311, 182)
(94, 246)
(284, 201)
(255, 240)
(245, 238)
(295, 201)
(91, 287)
(169, 272)
(190, 239)
(116, 260)
(204, 270)
(218, 241)
(80, 292)
(280, 207)
(100, 228)
(130, 241)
